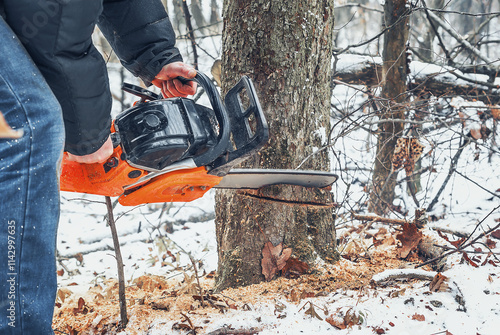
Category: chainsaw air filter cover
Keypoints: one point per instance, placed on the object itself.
(158, 133)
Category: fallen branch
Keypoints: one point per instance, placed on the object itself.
(427, 248)
(463, 245)
(375, 218)
(403, 274)
(426, 78)
(229, 331)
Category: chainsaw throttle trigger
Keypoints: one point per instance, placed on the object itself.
(142, 93)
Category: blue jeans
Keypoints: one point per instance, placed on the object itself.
(29, 193)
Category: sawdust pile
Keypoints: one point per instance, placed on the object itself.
(154, 299)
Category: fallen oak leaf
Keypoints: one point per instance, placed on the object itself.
(495, 112)
(274, 259)
(468, 260)
(410, 238)
(490, 243)
(438, 283)
(294, 268)
(496, 234)
(336, 321)
(475, 133)
(456, 243)
(418, 317)
(378, 330)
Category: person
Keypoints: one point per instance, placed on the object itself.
(55, 94)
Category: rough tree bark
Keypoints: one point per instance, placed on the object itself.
(396, 18)
(286, 48)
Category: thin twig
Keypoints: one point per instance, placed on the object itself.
(475, 183)
(459, 38)
(119, 263)
(189, 26)
(375, 218)
(453, 167)
(463, 246)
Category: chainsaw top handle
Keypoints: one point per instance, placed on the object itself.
(222, 118)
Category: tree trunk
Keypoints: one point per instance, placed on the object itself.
(286, 48)
(393, 98)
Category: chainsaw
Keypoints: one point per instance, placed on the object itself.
(175, 150)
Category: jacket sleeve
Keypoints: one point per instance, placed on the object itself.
(57, 35)
(141, 35)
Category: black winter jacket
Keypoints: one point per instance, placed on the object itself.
(57, 35)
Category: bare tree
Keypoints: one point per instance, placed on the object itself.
(392, 104)
(286, 48)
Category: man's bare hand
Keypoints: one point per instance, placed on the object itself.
(6, 131)
(170, 86)
(100, 156)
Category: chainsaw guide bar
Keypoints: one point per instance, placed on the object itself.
(257, 178)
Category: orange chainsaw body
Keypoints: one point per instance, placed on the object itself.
(111, 178)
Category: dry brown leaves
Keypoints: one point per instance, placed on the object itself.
(480, 133)
(406, 153)
(274, 259)
(410, 238)
(438, 283)
(496, 234)
(294, 268)
(495, 112)
(418, 317)
(345, 320)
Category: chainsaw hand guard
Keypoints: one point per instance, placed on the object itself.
(249, 130)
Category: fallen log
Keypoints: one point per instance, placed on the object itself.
(424, 78)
